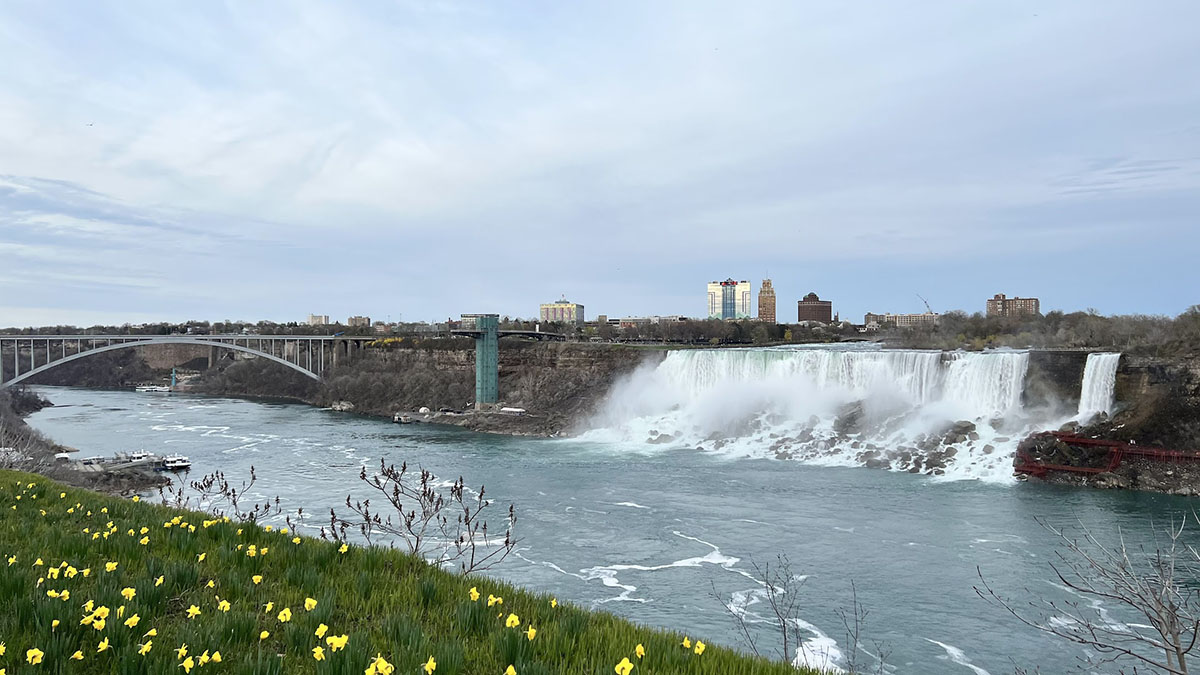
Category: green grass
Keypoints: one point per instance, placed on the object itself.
(387, 602)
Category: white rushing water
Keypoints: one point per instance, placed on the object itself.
(957, 415)
(1099, 381)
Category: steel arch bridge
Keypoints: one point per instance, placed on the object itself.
(309, 355)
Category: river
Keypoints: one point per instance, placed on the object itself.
(647, 531)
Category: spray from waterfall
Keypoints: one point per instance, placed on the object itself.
(1096, 394)
(956, 415)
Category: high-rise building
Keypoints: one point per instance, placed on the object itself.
(562, 311)
(318, 319)
(358, 321)
(813, 308)
(766, 302)
(1002, 305)
(730, 299)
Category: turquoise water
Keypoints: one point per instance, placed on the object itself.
(647, 533)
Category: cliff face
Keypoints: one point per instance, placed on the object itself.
(1157, 406)
(559, 384)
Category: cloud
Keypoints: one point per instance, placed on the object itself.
(342, 155)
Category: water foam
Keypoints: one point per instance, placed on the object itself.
(956, 415)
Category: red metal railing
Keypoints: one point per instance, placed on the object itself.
(1116, 452)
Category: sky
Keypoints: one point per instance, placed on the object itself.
(173, 160)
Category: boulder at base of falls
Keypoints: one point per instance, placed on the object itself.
(660, 438)
(849, 419)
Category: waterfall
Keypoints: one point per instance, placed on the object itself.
(1099, 380)
(954, 414)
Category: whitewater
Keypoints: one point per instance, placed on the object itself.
(954, 415)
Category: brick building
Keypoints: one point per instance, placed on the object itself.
(813, 308)
(1002, 305)
(766, 302)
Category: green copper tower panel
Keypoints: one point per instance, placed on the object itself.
(487, 359)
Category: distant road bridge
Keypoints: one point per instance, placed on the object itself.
(306, 354)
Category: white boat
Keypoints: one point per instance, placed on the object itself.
(95, 459)
(153, 387)
(175, 463)
(401, 419)
(134, 456)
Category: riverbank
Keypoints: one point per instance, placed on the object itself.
(23, 448)
(168, 588)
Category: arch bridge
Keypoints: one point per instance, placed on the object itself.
(310, 355)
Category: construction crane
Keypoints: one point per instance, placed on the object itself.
(927, 307)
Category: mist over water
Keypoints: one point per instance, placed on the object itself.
(955, 415)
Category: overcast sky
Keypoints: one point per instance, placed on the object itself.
(175, 160)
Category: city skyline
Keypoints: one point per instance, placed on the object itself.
(172, 163)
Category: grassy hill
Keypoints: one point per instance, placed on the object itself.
(97, 584)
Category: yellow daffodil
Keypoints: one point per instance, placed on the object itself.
(530, 633)
(380, 666)
(102, 612)
(624, 667)
(52, 593)
(103, 646)
(319, 653)
(187, 665)
(144, 540)
(295, 540)
(320, 631)
(38, 563)
(146, 647)
(52, 572)
(337, 642)
(262, 551)
(639, 650)
(223, 605)
(89, 606)
(121, 611)
(512, 621)
(263, 635)
(62, 495)
(182, 651)
(474, 594)
(285, 615)
(193, 612)
(54, 624)
(77, 656)
(239, 532)
(158, 581)
(2, 649)
(203, 658)
(492, 600)
(153, 632)
(687, 644)
(110, 566)
(144, 530)
(343, 548)
(309, 604)
(71, 572)
(137, 498)
(12, 560)
(257, 579)
(699, 648)
(86, 572)
(430, 666)
(34, 656)
(201, 557)
(510, 671)
(128, 593)
(267, 528)
(216, 657)
(210, 584)
(553, 602)
(98, 624)
(132, 621)
(270, 607)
